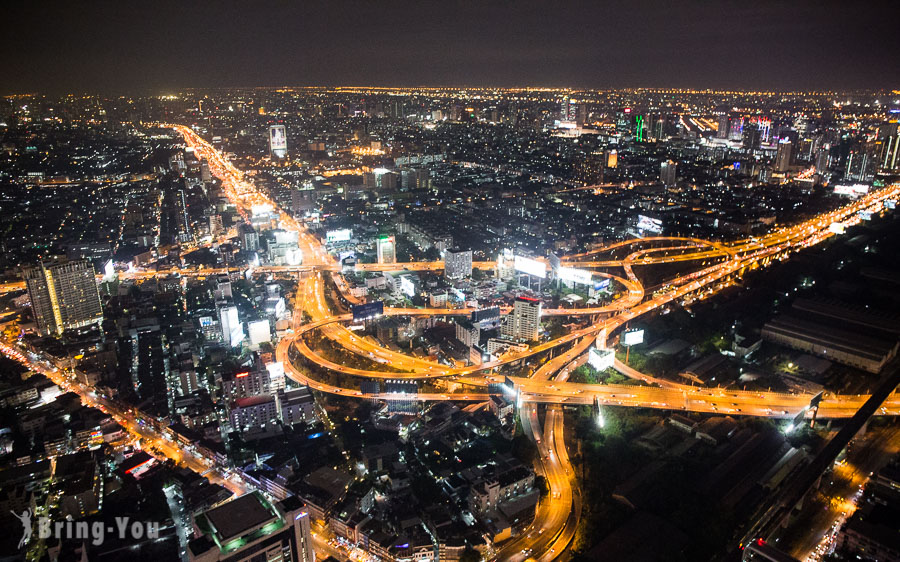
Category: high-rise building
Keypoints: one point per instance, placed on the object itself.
(783, 156)
(251, 528)
(564, 109)
(277, 141)
(525, 321)
(822, 158)
(667, 173)
(385, 249)
(232, 328)
(722, 131)
(63, 296)
(249, 238)
(457, 263)
(736, 129)
(889, 154)
(887, 147)
(612, 158)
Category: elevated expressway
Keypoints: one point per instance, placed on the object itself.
(556, 520)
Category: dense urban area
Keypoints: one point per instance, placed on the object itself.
(450, 324)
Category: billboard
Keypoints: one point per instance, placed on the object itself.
(649, 224)
(601, 359)
(486, 314)
(368, 310)
(837, 228)
(890, 204)
(530, 266)
(865, 215)
(342, 235)
(278, 141)
(602, 284)
(574, 275)
(633, 337)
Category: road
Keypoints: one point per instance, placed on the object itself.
(725, 260)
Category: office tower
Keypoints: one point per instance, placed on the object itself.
(752, 136)
(659, 127)
(581, 115)
(765, 129)
(277, 141)
(525, 321)
(861, 162)
(457, 264)
(251, 528)
(612, 158)
(385, 249)
(822, 158)
(889, 157)
(783, 156)
(63, 296)
(722, 131)
(564, 109)
(623, 120)
(639, 126)
(887, 147)
(232, 329)
(249, 238)
(736, 129)
(667, 173)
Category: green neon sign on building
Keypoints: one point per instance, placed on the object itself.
(639, 132)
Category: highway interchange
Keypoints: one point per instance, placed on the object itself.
(556, 520)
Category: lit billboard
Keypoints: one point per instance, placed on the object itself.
(890, 204)
(836, 227)
(649, 224)
(368, 310)
(530, 266)
(633, 337)
(601, 359)
(851, 190)
(601, 285)
(278, 141)
(865, 215)
(342, 235)
(574, 275)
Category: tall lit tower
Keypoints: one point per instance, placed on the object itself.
(783, 156)
(63, 296)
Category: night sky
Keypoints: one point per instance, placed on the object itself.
(140, 46)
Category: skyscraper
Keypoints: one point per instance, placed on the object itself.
(667, 172)
(736, 129)
(251, 528)
(385, 249)
(525, 321)
(722, 131)
(63, 296)
(783, 156)
(457, 263)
